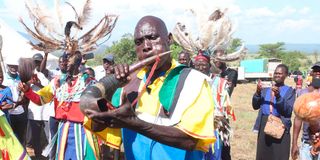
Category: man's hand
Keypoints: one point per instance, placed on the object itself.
(276, 91)
(121, 72)
(23, 87)
(259, 88)
(5, 105)
(123, 117)
(294, 151)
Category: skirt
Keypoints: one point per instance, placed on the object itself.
(269, 148)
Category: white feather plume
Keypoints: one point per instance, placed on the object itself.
(214, 32)
(49, 30)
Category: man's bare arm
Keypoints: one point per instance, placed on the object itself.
(297, 123)
(166, 134)
(124, 117)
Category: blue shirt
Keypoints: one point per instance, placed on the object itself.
(282, 106)
(6, 96)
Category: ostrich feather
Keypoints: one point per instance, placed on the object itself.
(32, 14)
(100, 33)
(49, 39)
(37, 26)
(74, 10)
(58, 12)
(107, 25)
(36, 36)
(37, 12)
(214, 31)
(85, 13)
(91, 31)
(181, 37)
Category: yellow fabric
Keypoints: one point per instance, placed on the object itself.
(46, 94)
(112, 136)
(9, 142)
(151, 99)
(199, 127)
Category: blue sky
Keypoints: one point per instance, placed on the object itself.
(257, 21)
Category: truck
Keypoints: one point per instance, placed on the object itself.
(254, 69)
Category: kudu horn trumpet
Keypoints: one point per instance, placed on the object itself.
(96, 96)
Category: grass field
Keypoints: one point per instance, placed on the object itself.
(243, 142)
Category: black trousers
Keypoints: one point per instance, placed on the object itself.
(54, 123)
(225, 153)
(19, 126)
(35, 135)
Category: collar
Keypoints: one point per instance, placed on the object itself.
(143, 72)
(9, 77)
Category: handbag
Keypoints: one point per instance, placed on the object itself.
(274, 126)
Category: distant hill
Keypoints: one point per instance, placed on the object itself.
(305, 48)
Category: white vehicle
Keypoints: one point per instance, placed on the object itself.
(255, 69)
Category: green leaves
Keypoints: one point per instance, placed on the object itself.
(294, 59)
(123, 50)
(235, 43)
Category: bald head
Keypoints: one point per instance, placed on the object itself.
(151, 38)
(146, 22)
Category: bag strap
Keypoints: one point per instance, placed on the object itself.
(271, 101)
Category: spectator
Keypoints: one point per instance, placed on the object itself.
(90, 72)
(18, 114)
(38, 116)
(304, 151)
(184, 58)
(229, 74)
(276, 100)
(108, 62)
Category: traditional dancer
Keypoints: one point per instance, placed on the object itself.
(73, 141)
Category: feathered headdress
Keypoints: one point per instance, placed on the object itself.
(214, 33)
(48, 30)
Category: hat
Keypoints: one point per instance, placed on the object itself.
(202, 55)
(109, 58)
(12, 61)
(317, 64)
(37, 57)
(315, 82)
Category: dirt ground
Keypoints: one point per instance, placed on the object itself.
(244, 140)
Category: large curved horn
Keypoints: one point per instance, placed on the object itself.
(233, 56)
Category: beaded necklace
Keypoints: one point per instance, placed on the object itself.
(66, 93)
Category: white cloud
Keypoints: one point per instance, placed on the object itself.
(287, 11)
(304, 10)
(255, 20)
(259, 13)
(290, 24)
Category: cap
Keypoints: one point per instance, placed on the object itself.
(317, 64)
(109, 58)
(315, 82)
(12, 61)
(37, 57)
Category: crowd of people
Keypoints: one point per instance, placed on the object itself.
(166, 110)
